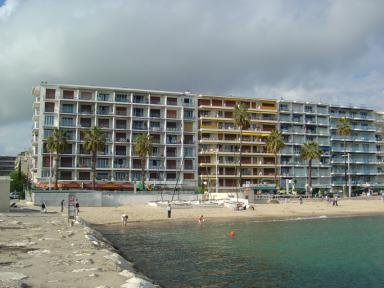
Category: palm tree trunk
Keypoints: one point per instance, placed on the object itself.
(93, 170)
(277, 184)
(240, 174)
(143, 172)
(345, 167)
(310, 177)
(56, 170)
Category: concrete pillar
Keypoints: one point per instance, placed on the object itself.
(5, 186)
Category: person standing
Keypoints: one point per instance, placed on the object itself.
(169, 210)
(301, 200)
(62, 205)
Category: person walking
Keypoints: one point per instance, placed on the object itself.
(301, 200)
(43, 207)
(169, 210)
(77, 207)
(62, 205)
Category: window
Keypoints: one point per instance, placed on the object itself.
(103, 97)
(50, 94)
(67, 94)
(121, 98)
(49, 107)
(121, 176)
(49, 120)
(84, 175)
(65, 175)
(66, 121)
(67, 108)
(171, 101)
(138, 112)
(47, 133)
(102, 176)
(102, 163)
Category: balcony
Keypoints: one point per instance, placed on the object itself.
(139, 127)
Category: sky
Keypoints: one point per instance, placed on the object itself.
(314, 50)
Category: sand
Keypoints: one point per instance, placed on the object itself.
(142, 213)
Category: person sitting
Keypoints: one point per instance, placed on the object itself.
(201, 219)
(124, 220)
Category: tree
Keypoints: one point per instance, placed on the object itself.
(310, 151)
(19, 182)
(275, 143)
(143, 148)
(242, 120)
(94, 141)
(344, 129)
(57, 143)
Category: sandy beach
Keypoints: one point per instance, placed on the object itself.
(141, 213)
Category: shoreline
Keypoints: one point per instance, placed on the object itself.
(143, 214)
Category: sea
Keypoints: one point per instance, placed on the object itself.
(299, 252)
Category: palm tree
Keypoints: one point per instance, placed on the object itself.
(275, 143)
(344, 129)
(94, 141)
(242, 121)
(310, 151)
(56, 143)
(143, 148)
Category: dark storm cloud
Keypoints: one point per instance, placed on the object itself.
(295, 49)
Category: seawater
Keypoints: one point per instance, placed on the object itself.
(339, 252)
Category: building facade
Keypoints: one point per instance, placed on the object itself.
(361, 148)
(219, 143)
(122, 114)
(300, 123)
(196, 141)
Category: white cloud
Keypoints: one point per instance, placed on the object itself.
(311, 49)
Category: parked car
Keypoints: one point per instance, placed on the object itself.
(14, 195)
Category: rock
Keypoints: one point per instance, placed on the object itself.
(85, 261)
(85, 270)
(93, 275)
(136, 282)
(15, 223)
(11, 276)
(119, 262)
(102, 286)
(38, 252)
(127, 274)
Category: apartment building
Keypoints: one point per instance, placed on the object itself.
(360, 146)
(380, 148)
(301, 122)
(122, 114)
(7, 165)
(219, 139)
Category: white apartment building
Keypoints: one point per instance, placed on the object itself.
(122, 114)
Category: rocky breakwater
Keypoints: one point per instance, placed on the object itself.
(43, 250)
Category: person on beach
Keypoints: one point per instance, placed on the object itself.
(43, 207)
(200, 219)
(301, 200)
(382, 196)
(335, 202)
(77, 207)
(124, 220)
(62, 205)
(169, 210)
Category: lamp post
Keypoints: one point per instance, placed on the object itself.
(349, 177)
(50, 169)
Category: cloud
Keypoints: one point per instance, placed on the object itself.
(292, 49)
